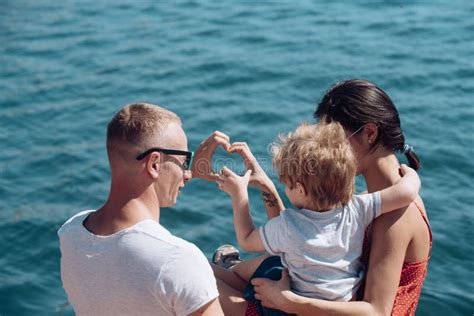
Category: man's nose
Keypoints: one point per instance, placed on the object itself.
(187, 176)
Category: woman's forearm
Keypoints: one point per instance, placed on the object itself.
(300, 305)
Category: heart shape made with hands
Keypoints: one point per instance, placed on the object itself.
(203, 165)
(225, 156)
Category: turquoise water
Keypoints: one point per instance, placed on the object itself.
(249, 69)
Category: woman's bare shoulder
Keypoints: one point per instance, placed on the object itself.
(403, 221)
(403, 215)
(405, 227)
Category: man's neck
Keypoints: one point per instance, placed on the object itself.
(121, 211)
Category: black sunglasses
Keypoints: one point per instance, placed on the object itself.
(186, 163)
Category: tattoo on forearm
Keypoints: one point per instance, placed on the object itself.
(269, 199)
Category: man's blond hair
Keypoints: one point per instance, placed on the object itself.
(137, 126)
(320, 158)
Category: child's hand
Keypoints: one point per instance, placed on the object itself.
(403, 192)
(258, 177)
(233, 184)
(411, 174)
(404, 169)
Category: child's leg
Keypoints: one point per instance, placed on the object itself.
(231, 299)
(232, 283)
(229, 277)
(240, 274)
(245, 269)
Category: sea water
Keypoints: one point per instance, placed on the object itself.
(250, 69)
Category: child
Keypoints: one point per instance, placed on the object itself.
(320, 242)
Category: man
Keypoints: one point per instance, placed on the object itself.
(119, 260)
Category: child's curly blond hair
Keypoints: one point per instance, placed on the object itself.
(320, 158)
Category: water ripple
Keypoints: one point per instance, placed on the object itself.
(252, 70)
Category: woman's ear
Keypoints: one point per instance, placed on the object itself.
(371, 132)
(153, 164)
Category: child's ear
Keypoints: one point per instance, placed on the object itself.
(301, 188)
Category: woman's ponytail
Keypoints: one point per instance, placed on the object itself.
(413, 160)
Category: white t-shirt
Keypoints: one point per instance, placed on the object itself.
(322, 250)
(141, 270)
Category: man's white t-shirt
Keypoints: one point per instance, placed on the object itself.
(322, 250)
(141, 270)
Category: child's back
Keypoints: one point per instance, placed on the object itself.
(322, 249)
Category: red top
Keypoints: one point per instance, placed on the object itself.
(411, 278)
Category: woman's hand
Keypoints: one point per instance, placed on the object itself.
(258, 178)
(202, 162)
(232, 183)
(274, 294)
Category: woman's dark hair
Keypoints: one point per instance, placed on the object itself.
(354, 103)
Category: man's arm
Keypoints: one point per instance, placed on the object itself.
(213, 308)
(402, 193)
(186, 283)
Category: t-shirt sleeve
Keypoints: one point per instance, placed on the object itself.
(187, 282)
(274, 234)
(368, 206)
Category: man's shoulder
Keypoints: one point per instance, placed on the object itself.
(175, 254)
(153, 231)
(155, 234)
(74, 221)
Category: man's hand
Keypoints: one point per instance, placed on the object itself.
(202, 163)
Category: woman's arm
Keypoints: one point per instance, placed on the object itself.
(277, 295)
(391, 236)
(260, 179)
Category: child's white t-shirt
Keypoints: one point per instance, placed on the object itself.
(322, 250)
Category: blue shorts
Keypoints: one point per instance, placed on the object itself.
(270, 268)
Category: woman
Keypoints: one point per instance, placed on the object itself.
(399, 243)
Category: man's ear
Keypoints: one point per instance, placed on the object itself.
(153, 164)
(371, 132)
(301, 188)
